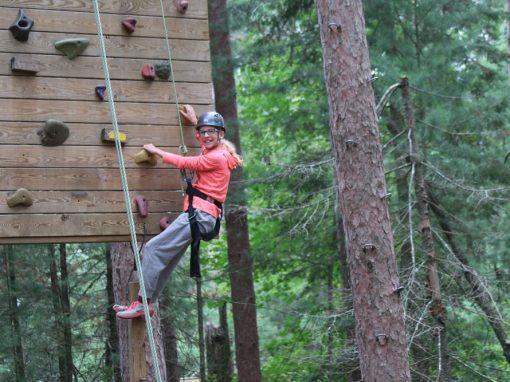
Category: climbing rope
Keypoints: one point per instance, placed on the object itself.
(127, 199)
(183, 149)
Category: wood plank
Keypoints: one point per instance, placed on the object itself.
(80, 22)
(71, 239)
(116, 46)
(92, 112)
(197, 8)
(91, 202)
(86, 134)
(78, 225)
(101, 179)
(91, 67)
(23, 156)
(31, 87)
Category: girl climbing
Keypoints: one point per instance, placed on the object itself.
(212, 175)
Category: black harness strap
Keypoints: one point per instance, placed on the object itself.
(196, 235)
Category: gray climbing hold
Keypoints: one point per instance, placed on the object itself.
(20, 198)
(163, 70)
(72, 47)
(20, 28)
(54, 133)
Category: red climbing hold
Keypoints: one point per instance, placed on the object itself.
(164, 222)
(142, 205)
(148, 72)
(129, 25)
(182, 5)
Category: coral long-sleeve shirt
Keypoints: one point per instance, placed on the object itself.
(212, 175)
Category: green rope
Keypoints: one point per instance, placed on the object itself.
(125, 188)
(183, 148)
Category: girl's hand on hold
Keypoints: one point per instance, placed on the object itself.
(150, 148)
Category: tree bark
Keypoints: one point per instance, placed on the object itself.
(437, 309)
(481, 294)
(123, 273)
(219, 364)
(17, 346)
(66, 312)
(57, 308)
(112, 343)
(380, 329)
(200, 322)
(170, 340)
(507, 18)
(239, 257)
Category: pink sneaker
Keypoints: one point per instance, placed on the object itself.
(135, 310)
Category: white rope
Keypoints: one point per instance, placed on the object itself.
(127, 198)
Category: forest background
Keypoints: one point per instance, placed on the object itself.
(454, 54)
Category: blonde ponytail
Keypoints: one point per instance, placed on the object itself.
(231, 148)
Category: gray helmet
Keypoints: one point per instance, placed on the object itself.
(211, 118)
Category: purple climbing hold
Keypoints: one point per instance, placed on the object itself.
(21, 27)
(100, 92)
(129, 25)
(148, 72)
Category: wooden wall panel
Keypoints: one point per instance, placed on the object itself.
(90, 67)
(76, 187)
(81, 22)
(197, 8)
(86, 134)
(28, 87)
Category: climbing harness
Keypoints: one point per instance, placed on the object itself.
(196, 235)
(127, 199)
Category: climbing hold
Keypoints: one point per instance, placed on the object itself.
(129, 25)
(148, 72)
(72, 47)
(108, 136)
(188, 115)
(54, 133)
(182, 5)
(23, 66)
(20, 198)
(142, 205)
(145, 157)
(368, 247)
(164, 222)
(20, 28)
(381, 339)
(163, 70)
(100, 91)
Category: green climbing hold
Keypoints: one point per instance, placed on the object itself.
(72, 47)
(54, 133)
(20, 198)
(163, 70)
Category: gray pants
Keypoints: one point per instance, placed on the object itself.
(164, 251)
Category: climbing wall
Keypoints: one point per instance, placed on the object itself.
(75, 187)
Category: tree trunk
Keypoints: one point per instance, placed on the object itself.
(112, 343)
(170, 340)
(507, 17)
(57, 308)
(219, 364)
(380, 329)
(239, 257)
(200, 322)
(66, 312)
(17, 346)
(481, 293)
(123, 265)
(352, 363)
(437, 309)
